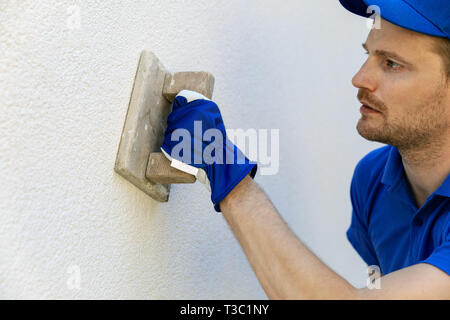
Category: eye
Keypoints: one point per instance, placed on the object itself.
(392, 65)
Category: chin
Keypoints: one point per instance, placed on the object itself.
(370, 132)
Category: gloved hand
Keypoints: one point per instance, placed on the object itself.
(201, 147)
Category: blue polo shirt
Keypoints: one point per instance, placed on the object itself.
(387, 228)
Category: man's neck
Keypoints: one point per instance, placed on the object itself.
(426, 169)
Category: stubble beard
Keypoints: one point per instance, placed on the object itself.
(423, 129)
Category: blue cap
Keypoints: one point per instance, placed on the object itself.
(430, 17)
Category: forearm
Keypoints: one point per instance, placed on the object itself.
(285, 267)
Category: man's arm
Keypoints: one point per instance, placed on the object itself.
(287, 269)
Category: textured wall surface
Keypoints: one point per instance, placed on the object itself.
(64, 91)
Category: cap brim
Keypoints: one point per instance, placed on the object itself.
(397, 12)
(355, 6)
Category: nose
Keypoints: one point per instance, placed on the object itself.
(365, 77)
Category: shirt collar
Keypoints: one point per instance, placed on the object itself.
(444, 189)
(394, 171)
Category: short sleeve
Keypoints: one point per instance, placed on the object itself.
(357, 233)
(440, 257)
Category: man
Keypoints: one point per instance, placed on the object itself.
(400, 192)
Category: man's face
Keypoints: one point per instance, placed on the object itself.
(408, 90)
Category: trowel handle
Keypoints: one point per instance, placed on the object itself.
(158, 167)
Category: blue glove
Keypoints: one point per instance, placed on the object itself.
(201, 146)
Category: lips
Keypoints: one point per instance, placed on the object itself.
(365, 104)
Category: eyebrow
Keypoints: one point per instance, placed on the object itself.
(388, 54)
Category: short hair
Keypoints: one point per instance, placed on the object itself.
(442, 47)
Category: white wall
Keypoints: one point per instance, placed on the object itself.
(63, 97)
